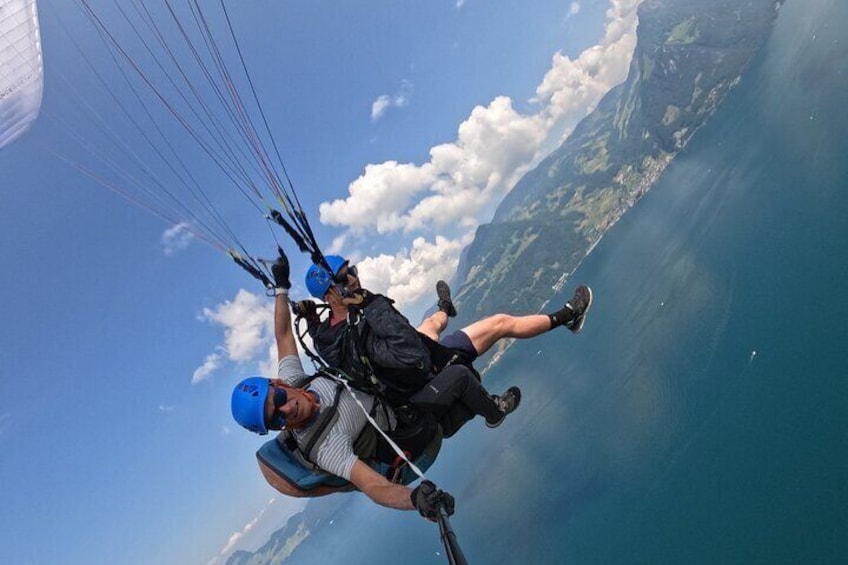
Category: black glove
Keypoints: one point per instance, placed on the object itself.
(280, 270)
(427, 499)
(305, 309)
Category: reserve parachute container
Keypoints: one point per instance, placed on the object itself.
(21, 69)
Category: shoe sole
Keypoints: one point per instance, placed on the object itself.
(444, 295)
(576, 329)
(517, 394)
(496, 424)
(443, 291)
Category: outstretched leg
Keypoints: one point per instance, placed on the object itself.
(436, 323)
(454, 396)
(486, 332)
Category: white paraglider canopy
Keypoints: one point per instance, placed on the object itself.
(21, 69)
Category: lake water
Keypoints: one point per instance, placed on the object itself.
(702, 416)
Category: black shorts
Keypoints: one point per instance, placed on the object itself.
(460, 340)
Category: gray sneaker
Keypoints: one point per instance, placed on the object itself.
(579, 306)
(445, 304)
(507, 403)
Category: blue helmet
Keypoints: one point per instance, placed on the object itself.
(318, 280)
(248, 404)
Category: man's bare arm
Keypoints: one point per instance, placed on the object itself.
(379, 489)
(283, 332)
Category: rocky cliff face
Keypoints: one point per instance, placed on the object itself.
(689, 54)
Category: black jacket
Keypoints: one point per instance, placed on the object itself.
(380, 351)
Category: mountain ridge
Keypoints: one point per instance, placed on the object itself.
(687, 58)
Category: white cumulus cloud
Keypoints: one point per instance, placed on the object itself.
(386, 101)
(464, 180)
(210, 364)
(410, 274)
(572, 87)
(495, 146)
(177, 238)
(337, 245)
(378, 198)
(248, 322)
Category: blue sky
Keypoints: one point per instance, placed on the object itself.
(402, 126)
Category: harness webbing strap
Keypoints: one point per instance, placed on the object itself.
(319, 432)
(374, 423)
(340, 378)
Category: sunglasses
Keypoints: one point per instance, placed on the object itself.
(278, 420)
(349, 271)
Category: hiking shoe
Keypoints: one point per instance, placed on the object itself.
(507, 403)
(445, 303)
(579, 306)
